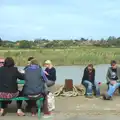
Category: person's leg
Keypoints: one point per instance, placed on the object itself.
(111, 91)
(89, 87)
(3, 106)
(19, 105)
(50, 83)
(86, 86)
(97, 89)
(45, 106)
(33, 107)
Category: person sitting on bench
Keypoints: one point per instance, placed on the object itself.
(113, 80)
(35, 86)
(88, 81)
(50, 73)
(8, 85)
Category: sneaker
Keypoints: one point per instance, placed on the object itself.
(2, 112)
(20, 113)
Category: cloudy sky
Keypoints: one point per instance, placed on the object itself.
(59, 19)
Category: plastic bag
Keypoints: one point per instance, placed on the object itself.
(51, 101)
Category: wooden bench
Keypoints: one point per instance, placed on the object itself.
(25, 98)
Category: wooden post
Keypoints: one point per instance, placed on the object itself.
(68, 85)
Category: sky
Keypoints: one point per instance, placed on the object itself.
(59, 19)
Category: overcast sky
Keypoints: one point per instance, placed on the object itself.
(59, 19)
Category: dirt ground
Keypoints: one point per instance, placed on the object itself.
(70, 108)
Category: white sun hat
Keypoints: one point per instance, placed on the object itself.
(48, 62)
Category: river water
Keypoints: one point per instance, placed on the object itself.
(76, 73)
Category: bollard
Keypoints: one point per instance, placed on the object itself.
(68, 85)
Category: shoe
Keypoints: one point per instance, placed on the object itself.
(89, 96)
(106, 97)
(33, 114)
(20, 113)
(47, 115)
(97, 96)
(2, 112)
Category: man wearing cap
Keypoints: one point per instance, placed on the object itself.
(113, 80)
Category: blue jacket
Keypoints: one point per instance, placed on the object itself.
(34, 83)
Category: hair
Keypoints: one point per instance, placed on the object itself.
(90, 65)
(113, 62)
(9, 62)
(34, 62)
(30, 58)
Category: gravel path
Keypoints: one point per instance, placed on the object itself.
(76, 108)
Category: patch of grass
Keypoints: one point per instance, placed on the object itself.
(75, 56)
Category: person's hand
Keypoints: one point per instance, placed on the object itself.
(112, 82)
(46, 73)
(21, 71)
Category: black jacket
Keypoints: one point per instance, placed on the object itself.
(8, 79)
(86, 76)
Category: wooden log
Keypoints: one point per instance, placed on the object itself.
(68, 85)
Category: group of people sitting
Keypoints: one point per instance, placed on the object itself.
(113, 81)
(37, 83)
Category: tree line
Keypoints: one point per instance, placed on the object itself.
(44, 43)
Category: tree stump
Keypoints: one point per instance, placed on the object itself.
(68, 85)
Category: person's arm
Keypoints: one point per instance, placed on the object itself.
(43, 75)
(118, 75)
(94, 76)
(19, 75)
(83, 78)
(53, 74)
(107, 76)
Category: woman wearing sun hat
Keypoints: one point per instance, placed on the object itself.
(50, 73)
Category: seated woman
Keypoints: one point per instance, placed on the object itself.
(50, 73)
(35, 85)
(88, 81)
(8, 84)
(113, 80)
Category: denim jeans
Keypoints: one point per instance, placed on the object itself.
(112, 89)
(89, 88)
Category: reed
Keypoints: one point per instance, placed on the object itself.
(76, 56)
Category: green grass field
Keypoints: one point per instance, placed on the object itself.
(72, 56)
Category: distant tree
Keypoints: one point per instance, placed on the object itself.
(1, 42)
(25, 44)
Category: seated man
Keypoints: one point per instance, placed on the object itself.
(35, 86)
(88, 81)
(113, 80)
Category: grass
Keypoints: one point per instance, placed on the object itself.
(72, 56)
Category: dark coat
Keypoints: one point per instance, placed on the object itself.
(8, 79)
(34, 83)
(86, 75)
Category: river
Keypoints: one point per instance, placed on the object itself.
(76, 73)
